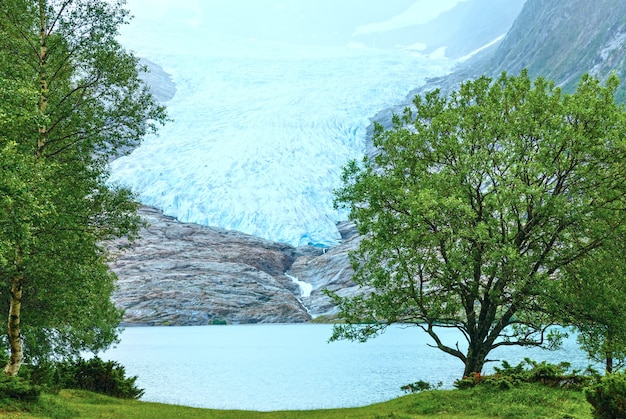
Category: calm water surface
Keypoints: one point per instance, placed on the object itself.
(278, 367)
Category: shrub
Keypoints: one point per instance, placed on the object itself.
(18, 388)
(608, 396)
(527, 371)
(105, 377)
(44, 374)
(420, 386)
(470, 381)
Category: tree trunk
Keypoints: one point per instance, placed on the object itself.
(475, 360)
(43, 80)
(609, 362)
(15, 339)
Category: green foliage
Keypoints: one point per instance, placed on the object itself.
(528, 371)
(608, 396)
(18, 388)
(94, 374)
(45, 374)
(477, 204)
(71, 99)
(592, 298)
(420, 386)
(104, 377)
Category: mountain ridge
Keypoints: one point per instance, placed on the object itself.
(563, 40)
(557, 40)
(168, 278)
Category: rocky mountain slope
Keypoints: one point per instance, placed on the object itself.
(468, 26)
(561, 40)
(182, 274)
(161, 85)
(188, 274)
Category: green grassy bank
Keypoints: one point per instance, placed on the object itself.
(526, 401)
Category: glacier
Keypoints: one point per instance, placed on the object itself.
(261, 127)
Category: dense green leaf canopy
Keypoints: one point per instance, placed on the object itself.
(70, 100)
(476, 204)
(593, 299)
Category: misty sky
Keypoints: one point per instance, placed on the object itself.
(313, 22)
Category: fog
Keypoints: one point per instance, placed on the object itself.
(319, 22)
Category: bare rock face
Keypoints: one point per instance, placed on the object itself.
(330, 270)
(188, 274)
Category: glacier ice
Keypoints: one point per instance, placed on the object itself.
(261, 130)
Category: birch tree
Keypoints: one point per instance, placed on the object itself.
(83, 103)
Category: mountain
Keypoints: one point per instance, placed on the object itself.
(263, 123)
(188, 274)
(457, 32)
(561, 40)
(271, 98)
(184, 273)
(160, 82)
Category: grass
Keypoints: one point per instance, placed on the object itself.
(526, 401)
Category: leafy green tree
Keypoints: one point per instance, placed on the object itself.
(593, 299)
(71, 100)
(476, 204)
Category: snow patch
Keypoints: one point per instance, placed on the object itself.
(476, 51)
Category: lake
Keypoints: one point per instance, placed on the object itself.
(292, 366)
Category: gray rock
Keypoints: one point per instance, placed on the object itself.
(187, 274)
(330, 271)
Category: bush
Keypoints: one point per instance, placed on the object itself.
(105, 377)
(18, 388)
(44, 374)
(608, 396)
(420, 386)
(469, 381)
(527, 371)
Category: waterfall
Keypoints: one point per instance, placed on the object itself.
(305, 287)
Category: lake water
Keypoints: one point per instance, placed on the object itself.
(292, 367)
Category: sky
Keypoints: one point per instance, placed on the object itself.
(422, 11)
(321, 22)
